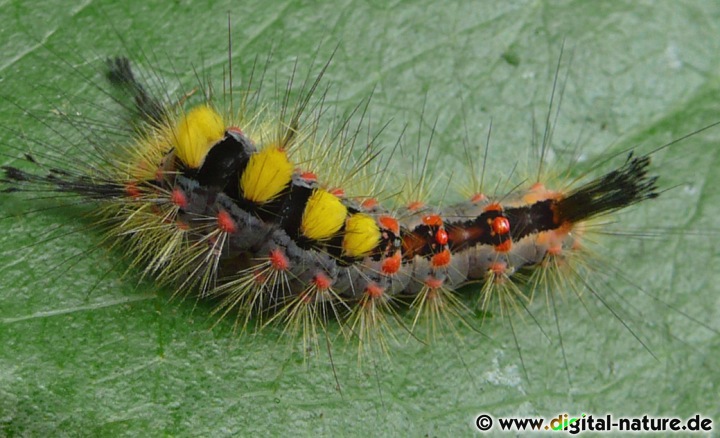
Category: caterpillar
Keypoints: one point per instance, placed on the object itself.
(232, 215)
(492, 331)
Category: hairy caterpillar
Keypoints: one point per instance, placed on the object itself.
(214, 204)
(577, 361)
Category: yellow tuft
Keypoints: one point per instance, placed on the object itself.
(196, 133)
(361, 235)
(324, 215)
(266, 175)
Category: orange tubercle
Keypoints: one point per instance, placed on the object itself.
(340, 193)
(478, 197)
(432, 220)
(225, 222)
(308, 176)
(178, 198)
(505, 246)
(433, 283)
(497, 268)
(538, 192)
(441, 259)
(441, 237)
(369, 204)
(322, 281)
(493, 207)
(389, 223)
(415, 205)
(391, 264)
(278, 260)
(131, 189)
(500, 225)
(374, 291)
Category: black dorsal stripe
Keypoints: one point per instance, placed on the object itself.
(531, 219)
(224, 162)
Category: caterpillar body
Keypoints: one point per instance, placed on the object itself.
(321, 245)
(237, 219)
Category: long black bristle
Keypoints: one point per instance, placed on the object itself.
(60, 181)
(615, 190)
(120, 73)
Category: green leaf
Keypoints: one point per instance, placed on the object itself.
(88, 350)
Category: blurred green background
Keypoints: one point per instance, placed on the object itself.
(88, 350)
